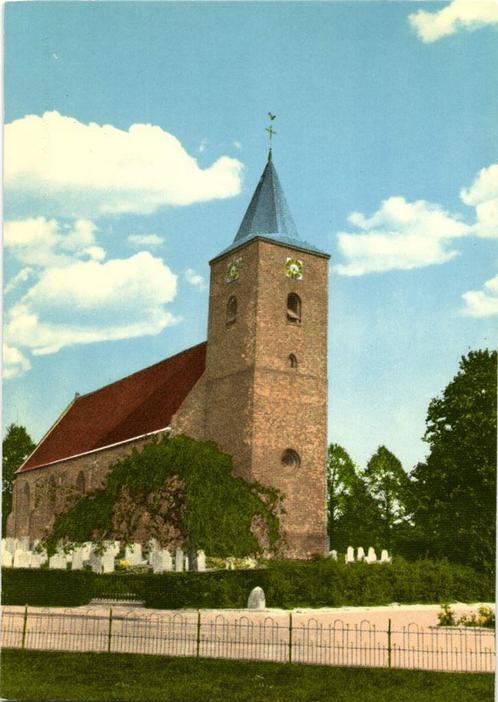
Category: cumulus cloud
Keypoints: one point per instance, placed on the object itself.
(484, 302)
(403, 235)
(400, 235)
(14, 363)
(90, 301)
(57, 166)
(151, 240)
(459, 14)
(483, 195)
(194, 278)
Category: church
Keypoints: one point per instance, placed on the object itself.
(257, 386)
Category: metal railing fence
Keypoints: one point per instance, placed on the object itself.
(204, 634)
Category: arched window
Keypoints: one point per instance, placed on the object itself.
(290, 458)
(292, 361)
(80, 482)
(293, 308)
(231, 310)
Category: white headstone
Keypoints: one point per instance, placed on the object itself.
(372, 556)
(185, 563)
(108, 562)
(384, 556)
(22, 559)
(77, 562)
(161, 561)
(57, 562)
(360, 554)
(256, 599)
(350, 555)
(43, 556)
(6, 559)
(333, 555)
(95, 563)
(179, 560)
(36, 560)
(133, 554)
(201, 561)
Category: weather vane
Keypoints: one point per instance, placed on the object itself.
(271, 132)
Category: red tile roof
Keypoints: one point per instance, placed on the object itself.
(136, 405)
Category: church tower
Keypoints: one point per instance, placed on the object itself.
(266, 364)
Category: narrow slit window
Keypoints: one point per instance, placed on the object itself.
(293, 308)
(81, 482)
(231, 310)
(292, 361)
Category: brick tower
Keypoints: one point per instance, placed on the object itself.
(266, 365)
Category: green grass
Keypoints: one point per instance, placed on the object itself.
(42, 675)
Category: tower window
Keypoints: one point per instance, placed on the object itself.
(292, 361)
(293, 308)
(231, 310)
(80, 482)
(291, 459)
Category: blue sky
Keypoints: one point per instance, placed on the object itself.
(386, 138)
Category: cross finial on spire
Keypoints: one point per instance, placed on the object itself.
(271, 132)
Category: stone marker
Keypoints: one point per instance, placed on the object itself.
(333, 555)
(22, 559)
(185, 563)
(372, 556)
(57, 562)
(256, 599)
(201, 561)
(108, 562)
(6, 559)
(36, 560)
(384, 556)
(77, 562)
(133, 554)
(95, 563)
(161, 561)
(179, 560)
(360, 554)
(349, 555)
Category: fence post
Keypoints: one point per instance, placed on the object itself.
(198, 632)
(24, 626)
(389, 648)
(109, 634)
(290, 637)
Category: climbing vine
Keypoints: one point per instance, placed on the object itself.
(181, 492)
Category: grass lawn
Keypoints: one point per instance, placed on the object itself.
(43, 675)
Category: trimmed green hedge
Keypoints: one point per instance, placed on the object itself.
(323, 583)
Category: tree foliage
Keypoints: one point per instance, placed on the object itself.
(16, 447)
(455, 488)
(181, 492)
(388, 485)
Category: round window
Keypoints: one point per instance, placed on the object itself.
(290, 459)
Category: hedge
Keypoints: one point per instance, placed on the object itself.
(323, 583)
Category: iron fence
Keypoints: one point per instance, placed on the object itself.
(266, 638)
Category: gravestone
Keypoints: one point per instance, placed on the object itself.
(256, 599)
(179, 560)
(133, 554)
(77, 562)
(7, 559)
(349, 555)
(384, 556)
(185, 563)
(57, 562)
(201, 561)
(372, 556)
(333, 555)
(360, 554)
(108, 562)
(22, 559)
(36, 560)
(161, 561)
(95, 563)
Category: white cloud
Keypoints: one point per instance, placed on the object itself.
(194, 279)
(20, 278)
(484, 302)
(237, 144)
(459, 14)
(151, 240)
(57, 166)
(483, 195)
(400, 235)
(14, 363)
(37, 241)
(90, 301)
